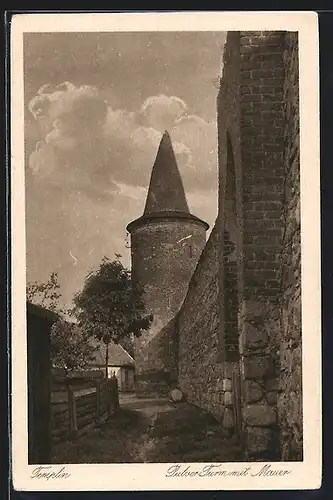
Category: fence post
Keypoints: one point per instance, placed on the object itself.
(72, 412)
(113, 395)
(116, 394)
(98, 401)
(109, 395)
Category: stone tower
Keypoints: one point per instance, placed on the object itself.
(166, 243)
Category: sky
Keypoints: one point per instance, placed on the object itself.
(96, 106)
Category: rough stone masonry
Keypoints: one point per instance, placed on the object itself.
(228, 312)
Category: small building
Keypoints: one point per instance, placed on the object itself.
(120, 364)
(39, 323)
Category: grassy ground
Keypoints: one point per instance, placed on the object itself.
(112, 442)
(179, 433)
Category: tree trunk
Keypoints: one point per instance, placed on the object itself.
(106, 359)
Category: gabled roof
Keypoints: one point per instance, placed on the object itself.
(118, 356)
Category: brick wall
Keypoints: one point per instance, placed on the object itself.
(251, 264)
(232, 358)
(290, 396)
(207, 322)
(262, 146)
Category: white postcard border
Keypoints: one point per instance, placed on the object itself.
(117, 477)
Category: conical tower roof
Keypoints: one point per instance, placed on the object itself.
(166, 190)
(166, 197)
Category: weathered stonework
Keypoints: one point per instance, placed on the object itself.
(262, 146)
(230, 293)
(259, 369)
(200, 374)
(290, 395)
(253, 391)
(205, 379)
(163, 267)
(166, 243)
(156, 363)
(230, 335)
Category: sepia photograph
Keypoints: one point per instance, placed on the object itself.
(163, 250)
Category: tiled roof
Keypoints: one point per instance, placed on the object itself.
(118, 356)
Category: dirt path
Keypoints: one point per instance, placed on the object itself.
(152, 431)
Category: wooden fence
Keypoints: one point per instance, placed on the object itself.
(78, 405)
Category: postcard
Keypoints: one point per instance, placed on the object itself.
(165, 210)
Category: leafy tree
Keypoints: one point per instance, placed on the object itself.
(70, 347)
(110, 305)
(45, 294)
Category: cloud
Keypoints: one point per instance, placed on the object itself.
(88, 146)
(200, 137)
(90, 172)
(72, 150)
(203, 204)
(85, 183)
(160, 112)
